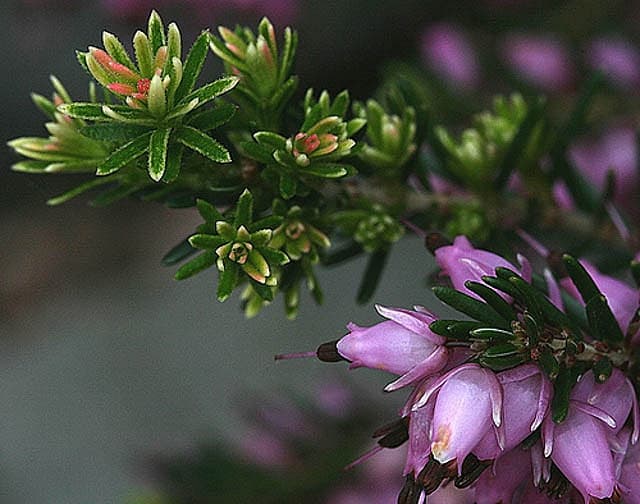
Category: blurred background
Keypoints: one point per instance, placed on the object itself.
(119, 384)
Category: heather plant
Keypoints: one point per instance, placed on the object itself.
(530, 393)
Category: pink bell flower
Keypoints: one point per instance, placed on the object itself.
(462, 261)
(402, 345)
(467, 405)
(526, 399)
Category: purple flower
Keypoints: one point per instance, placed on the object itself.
(449, 53)
(617, 58)
(467, 404)
(542, 61)
(616, 397)
(581, 452)
(615, 150)
(579, 446)
(629, 474)
(526, 399)
(462, 262)
(500, 483)
(403, 345)
(623, 299)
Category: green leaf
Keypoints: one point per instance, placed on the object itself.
(193, 65)
(270, 139)
(196, 265)
(471, 307)
(602, 370)
(503, 285)
(206, 241)
(174, 161)
(30, 166)
(158, 145)
(244, 210)
(549, 364)
(78, 190)
(562, 389)
(156, 32)
(214, 117)
(202, 144)
(519, 143)
(181, 251)
(124, 155)
(227, 280)
(264, 291)
(492, 299)
(329, 170)
(210, 91)
(531, 296)
(274, 256)
(79, 110)
(602, 322)
(144, 53)
(288, 186)
(256, 151)
(340, 104)
(110, 196)
(349, 251)
(502, 356)
(208, 212)
(113, 132)
(372, 275)
(44, 104)
(503, 360)
(581, 278)
(492, 334)
(455, 329)
(116, 50)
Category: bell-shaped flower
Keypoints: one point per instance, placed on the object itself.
(403, 345)
(629, 473)
(500, 483)
(616, 397)
(462, 262)
(468, 404)
(579, 446)
(419, 445)
(622, 298)
(526, 400)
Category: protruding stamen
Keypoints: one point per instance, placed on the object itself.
(364, 457)
(294, 355)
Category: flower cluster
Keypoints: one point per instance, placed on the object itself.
(520, 404)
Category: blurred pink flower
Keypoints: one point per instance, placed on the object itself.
(539, 60)
(617, 58)
(615, 150)
(447, 51)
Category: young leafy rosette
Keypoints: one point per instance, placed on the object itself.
(371, 226)
(507, 138)
(162, 113)
(314, 152)
(266, 83)
(297, 236)
(390, 138)
(66, 150)
(239, 249)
